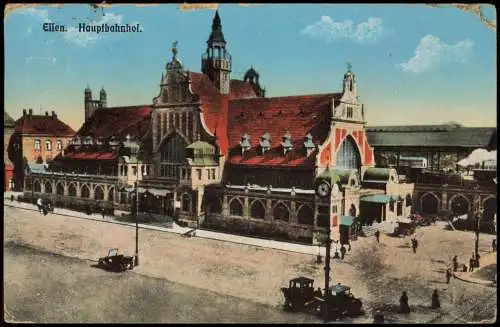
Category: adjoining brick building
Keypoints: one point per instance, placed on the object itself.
(214, 151)
(8, 129)
(37, 139)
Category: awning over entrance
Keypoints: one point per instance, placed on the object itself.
(378, 198)
(346, 220)
(153, 191)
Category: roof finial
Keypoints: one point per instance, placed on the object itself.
(349, 67)
(174, 49)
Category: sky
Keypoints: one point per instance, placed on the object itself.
(414, 64)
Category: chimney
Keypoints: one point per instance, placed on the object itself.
(30, 112)
(46, 114)
(24, 112)
(54, 116)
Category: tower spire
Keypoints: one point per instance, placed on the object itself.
(174, 50)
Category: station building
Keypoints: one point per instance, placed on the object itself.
(216, 152)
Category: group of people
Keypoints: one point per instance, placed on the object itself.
(43, 208)
(404, 306)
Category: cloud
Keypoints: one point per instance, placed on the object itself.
(431, 51)
(50, 60)
(83, 39)
(329, 30)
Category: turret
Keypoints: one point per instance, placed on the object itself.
(216, 61)
(103, 98)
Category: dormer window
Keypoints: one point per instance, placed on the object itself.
(287, 143)
(245, 143)
(265, 145)
(76, 141)
(308, 144)
(88, 140)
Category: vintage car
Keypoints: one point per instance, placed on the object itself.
(299, 295)
(404, 227)
(341, 303)
(115, 261)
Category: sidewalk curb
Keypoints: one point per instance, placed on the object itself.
(473, 280)
(113, 221)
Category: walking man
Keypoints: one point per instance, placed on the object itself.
(494, 245)
(455, 263)
(342, 252)
(435, 303)
(471, 264)
(404, 307)
(414, 245)
(39, 204)
(377, 236)
(448, 275)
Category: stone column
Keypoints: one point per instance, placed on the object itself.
(78, 190)
(269, 210)
(246, 208)
(293, 213)
(106, 190)
(444, 198)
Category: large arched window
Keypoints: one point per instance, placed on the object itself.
(48, 187)
(85, 192)
(258, 210)
(305, 216)
(459, 205)
(173, 149)
(490, 209)
(98, 193)
(348, 156)
(235, 208)
(72, 190)
(186, 203)
(60, 189)
(281, 212)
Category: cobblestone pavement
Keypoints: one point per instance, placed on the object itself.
(257, 273)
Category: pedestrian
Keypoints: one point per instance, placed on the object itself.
(39, 204)
(377, 235)
(414, 245)
(471, 264)
(378, 317)
(342, 252)
(448, 275)
(12, 197)
(455, 263)
(318, 293)
(494, 245)
(349, 247)
(336, 255)
(102, 211)
(403, 303)
(436, 304)
(477, 260)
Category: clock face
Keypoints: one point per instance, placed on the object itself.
(323, 189)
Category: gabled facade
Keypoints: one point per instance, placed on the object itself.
(215, 151)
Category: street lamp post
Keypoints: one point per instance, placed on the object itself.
(478, 220)
(136, 261)
(328, 245)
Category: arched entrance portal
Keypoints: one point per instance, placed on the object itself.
(429, 204)
(348, 156)
(490, 209)
(459, 205)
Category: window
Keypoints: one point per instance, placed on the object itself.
(209, 176)
(199, 173)
(189, 174)
(349, 112)
(134, 170)
(37, 145)
(59, 145)
(48, 145)
(213, 173)
(88, 141)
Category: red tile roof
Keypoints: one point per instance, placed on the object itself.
(118, 122)
(298, 115)
(42, 125)
(241, 90)
(213, 106)
(106, 155)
